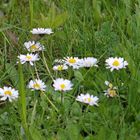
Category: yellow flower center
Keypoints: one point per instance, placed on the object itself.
(60, 67)
(33, 47)
(112, 92)
(8, 92)
(62, 86)
(36, 85)
(110, 85)
(89, 99)
(72, 60)
(28, 57)
(116, 63)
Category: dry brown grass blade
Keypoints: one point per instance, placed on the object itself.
(12, 36)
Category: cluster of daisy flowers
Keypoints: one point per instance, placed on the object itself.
(9, 93)
(33, 47)
(60, 84)
(76, 63)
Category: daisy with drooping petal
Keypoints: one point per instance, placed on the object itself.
(28, 58)
(61, 84)
(60, 67)
(111, 91)
(88, 99)
(107, 83)
(89, 62)
(37, 84)
(115, 63)
(42, 31)
(33, 46)
(74, 62)
(59, 61)
(8, 93)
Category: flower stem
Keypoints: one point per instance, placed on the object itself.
(31, 12)
(46, 65)
(50, 101)
(36, 72)
(62, 98)
(22, 100)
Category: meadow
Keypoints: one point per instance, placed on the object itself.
(77, 80)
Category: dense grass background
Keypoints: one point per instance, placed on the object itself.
(99, 28)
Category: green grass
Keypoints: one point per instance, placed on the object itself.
(98, 28)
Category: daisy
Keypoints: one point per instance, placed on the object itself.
(59, 61)
(89, 62)
(28, 58)
(111, 91)
(42, 31)
(33, 46)
(8, 93)
(115, 63)
(62, 84)
(107, 83)
(37, 84)
(60, 67)
(88, 99)
(74, 62)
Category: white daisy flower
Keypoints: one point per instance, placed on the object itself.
(28, 58)
(115, 63)
(74, 62)
(107, 83)
(60, 61)
(8, 93)
(62, 84)
(88, 99)
(110, 92)
(37, 84)
(60, 67)
(89, 62)
(33, 46)
(42, 31)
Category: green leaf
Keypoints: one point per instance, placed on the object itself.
(53, 19)
(73, 132)
(78, 75)
(89, 138)
(11, 70)
(59, 20)
(76, 109)
(105, 134)
(61, 135)
(36, 134)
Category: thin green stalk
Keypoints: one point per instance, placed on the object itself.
(34, 112)
(77, 84)
(43, 112)
(31, 12)
(23, 100)
(5, 54)
(46, 65)
(62, 98)
(43, 92)
(36, 71)
(31, 72)
(87, 109)
(51, 103)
